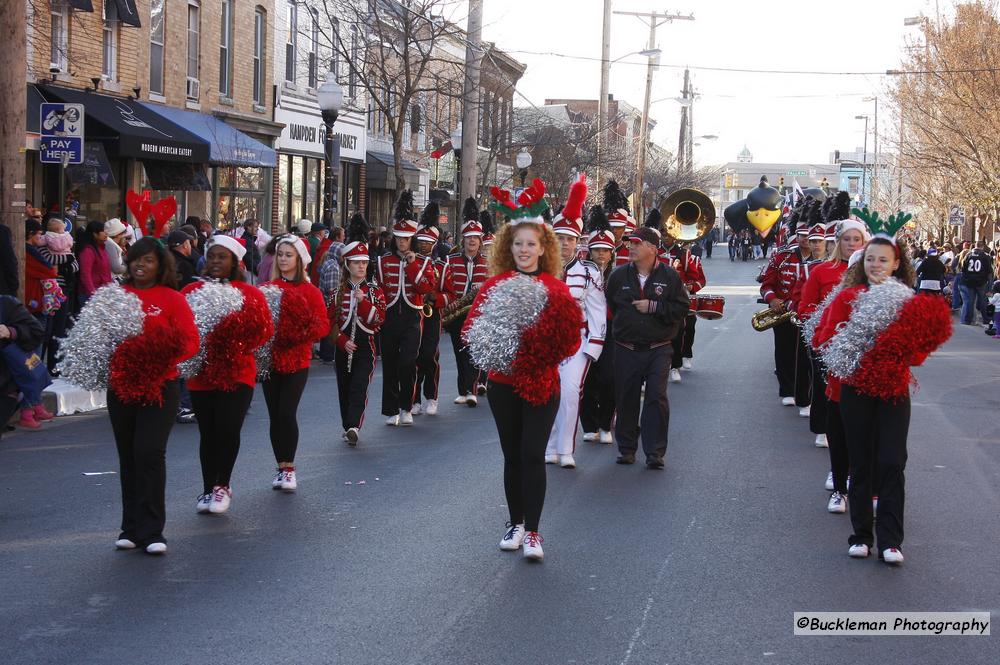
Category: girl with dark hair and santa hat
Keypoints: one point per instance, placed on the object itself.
(298, 313)
(129, 340)
(869, 336)
(523, 323)
(358, 312)
(234, 321)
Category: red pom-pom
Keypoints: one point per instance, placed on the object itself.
(141, 364)
(295, 327)
(553, 338)
(230, 345)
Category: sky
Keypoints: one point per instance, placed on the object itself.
(798, 118)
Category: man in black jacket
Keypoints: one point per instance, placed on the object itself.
(648, 304)
(9, 280)
(180, 243)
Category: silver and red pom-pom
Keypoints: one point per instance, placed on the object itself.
(111, 316)
(810, 325)
(264, 355)
(509, 308)
(210, 303)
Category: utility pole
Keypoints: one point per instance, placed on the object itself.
(470, 107)
(13, 22)
(602, 100)
(654, 19)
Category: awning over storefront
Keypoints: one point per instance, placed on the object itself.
(133, 129)
(380, 172)
(227, 146)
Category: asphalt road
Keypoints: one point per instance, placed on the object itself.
(388, 553)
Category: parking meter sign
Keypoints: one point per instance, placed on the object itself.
(62, 135)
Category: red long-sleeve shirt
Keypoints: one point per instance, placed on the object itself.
(822, 279)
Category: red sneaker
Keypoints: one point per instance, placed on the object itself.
(41, 414)
(28, 421)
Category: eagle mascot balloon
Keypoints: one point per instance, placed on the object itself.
(761, 209)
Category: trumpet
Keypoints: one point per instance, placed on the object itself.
(427, 311)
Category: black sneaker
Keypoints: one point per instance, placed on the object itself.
(626, 458)
(654, 462)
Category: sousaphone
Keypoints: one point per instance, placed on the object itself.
(688, 215)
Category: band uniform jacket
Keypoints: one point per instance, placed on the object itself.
(586, 285)
(369, 309)
(782, 275)
(407, 281)
(459, 274)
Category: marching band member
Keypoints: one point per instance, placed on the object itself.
(870, 335)
(523, 323)
(405, 279)
(688, 266)
(462, 275)
(358, 312)
(586, 285)
(597, 408)
(615, 206)
(429, 356)
(300, 319)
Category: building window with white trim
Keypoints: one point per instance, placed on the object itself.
(109, 42)
(226, 50)
(157, 36)
(314, 49)
(59, 17)
(291, 40)
(352, 79)
(259, 39)
(335, 55)
(193, 50)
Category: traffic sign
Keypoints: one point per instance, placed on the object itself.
(61, 133)
(957, 216)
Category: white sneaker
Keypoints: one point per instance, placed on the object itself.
(838, 503)
(480, 389)
(533, 546)
(605, 437)
(552, 459)
(432, 407)
(675, 376)
(875, 504)
(787, 401)
(567, 462)
(351, 436)
(221, 498)
(416, 409)
(471, 400)
(590, 436)
(859, 551)
(804, 412)
(124, 544)
(276, 481)
(392, 421)
(460, 399)
(892, 556)
(829, 482)
(513, 538)
(405, 418)
(685, 363)
(288, 481)
(821, 441)
(156, 548)
(204, 503)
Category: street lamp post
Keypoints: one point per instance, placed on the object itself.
(523, 163)
(456, 145)
(330, 97)
(864, 164)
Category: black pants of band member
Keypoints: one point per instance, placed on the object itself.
(400, 342)
(468, 376)
(803, 371)
(683, 343)
(429, 358)
(220, 415)
(352, 387)
(787, 352)
(818, 402)
(141, 434)
(524, 430)
(597, 407)
(632, 368)
(282, 393)
(867, 419)
(839, 458)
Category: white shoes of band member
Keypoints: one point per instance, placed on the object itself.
(351, 436)
(532, 546)
(605, 437)
(416, 409)
(471, 400)
(590, 436)
(828, 485)
(838, 503)
(804, 412)
(204, 503)
(124, 544)
(460, 399)
(567, 462)
(480, 389)
(289, 483)
(156, 548)
(405, 418)
(787, 401)
(821, 441)
(279, 475)
(512, 538)
(552, 459)
(675, 376)
(221, 498)
(892, 556)
(392, 421)
(432, 407)
(685, 363)
(858, 551)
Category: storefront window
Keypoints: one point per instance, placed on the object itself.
(295, 208)
(312, 189)
(284, 171)
(242, 195)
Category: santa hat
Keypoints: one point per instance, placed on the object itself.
(853, 224)
(616, 206)
(599, 230)
(298, 244)
(486, 222)
(429, 230)
(470, 216)
(229, 242)
(357, 238)
(569, 221)
(404, 221)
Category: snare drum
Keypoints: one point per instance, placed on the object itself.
(710, 307)
(693, 300)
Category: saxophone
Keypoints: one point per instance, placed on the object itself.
(767, 318)
(459, 308)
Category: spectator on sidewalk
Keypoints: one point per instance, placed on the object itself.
(21, 328)
(977, 272)
(95, 267)
(58, 251)
(9, 279)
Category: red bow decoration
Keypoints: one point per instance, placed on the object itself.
(162, 211)
(533, 193)
(139, 205)
(503, 197)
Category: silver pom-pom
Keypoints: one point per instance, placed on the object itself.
(210, 304)
(272, 294)
(111, 316)
(873, 311)
(810, 325)
(507, 310)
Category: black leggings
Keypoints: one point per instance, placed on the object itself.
(876, 433)
(220, 417)
(524, 432)
(282, 393)
(819, 404)
(839, 459)
(597, 408)
(141, 434)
